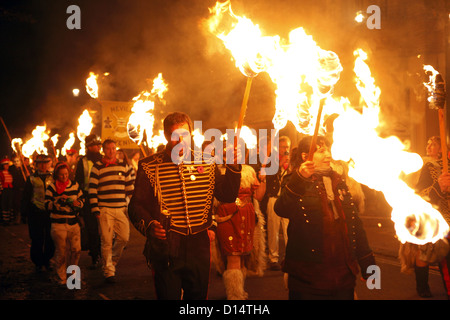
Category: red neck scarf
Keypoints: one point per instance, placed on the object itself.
(107, 162)
(61, 186)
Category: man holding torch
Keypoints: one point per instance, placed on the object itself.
(171, 206)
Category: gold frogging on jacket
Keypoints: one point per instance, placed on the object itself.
(189, 208)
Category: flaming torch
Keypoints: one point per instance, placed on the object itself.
(436, 89)
(246, 44)
(328, 75)
(142, 118)
(84, 128)
(415, 219)
(68, 144)
(92, 86)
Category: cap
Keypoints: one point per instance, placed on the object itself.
(71, 151)
(41, 158)
(4, 161)
(92, 140)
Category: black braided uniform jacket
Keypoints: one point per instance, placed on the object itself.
(185, 191)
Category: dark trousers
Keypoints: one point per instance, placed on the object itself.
(90, 234)
(42, 247)
(188, 270)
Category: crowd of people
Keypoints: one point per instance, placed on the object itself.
(195, 213)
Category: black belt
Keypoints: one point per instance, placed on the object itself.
(70, 221)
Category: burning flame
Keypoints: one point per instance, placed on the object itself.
(198, 138)
(415, 219)
(91, 85)
(142, 119)
(68, 144)
(37, 142)
(84, 128)
(305, 75)
(249, 137)
(302, 71)
(159, 86)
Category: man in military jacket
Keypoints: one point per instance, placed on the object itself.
(171, 206)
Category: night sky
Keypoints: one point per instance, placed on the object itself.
(134, 40)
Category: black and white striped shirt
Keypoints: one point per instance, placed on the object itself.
(60, 208)
(110, 185)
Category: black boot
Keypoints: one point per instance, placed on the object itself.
(423, 289)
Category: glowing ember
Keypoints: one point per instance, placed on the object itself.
(91, 85)
(84, 129)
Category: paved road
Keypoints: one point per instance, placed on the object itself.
(19, 281)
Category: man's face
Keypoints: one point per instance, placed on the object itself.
(94, 148)
(110, 151)
(43, 166)
(17, 162)
(179, 135)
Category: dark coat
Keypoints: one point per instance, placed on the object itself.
(316, 240)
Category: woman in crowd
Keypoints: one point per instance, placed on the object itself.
(326, 239)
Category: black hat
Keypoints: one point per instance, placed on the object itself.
(42, 158)
(92, 140)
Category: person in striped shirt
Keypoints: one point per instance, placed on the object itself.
(64, 200)
(111, 186)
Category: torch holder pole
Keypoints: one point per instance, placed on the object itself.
(316, 130)
(19, 152)
(143, 150)
(243, 111)
(443, 140)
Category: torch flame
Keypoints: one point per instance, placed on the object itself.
(91, 85)
(198, 138)
(68, 144)
(302, 71)
(84, 129)
(36, 143)
(249, 137)
(244, 40)
(142, 119)
(416, 221)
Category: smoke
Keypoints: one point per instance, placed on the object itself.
(134, 40)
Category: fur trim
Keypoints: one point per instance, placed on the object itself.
(233, 280)
(256, 262)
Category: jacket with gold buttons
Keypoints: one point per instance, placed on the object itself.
(306, 204)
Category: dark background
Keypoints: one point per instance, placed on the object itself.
(134, 40)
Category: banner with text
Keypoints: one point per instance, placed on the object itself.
(115, 115)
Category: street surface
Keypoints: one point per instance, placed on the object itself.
(19, 281)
